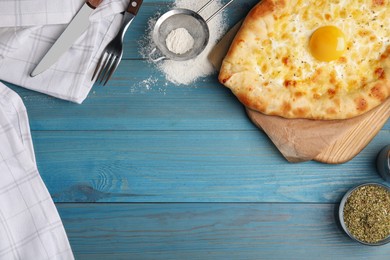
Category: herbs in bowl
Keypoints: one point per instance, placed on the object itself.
(365, 214)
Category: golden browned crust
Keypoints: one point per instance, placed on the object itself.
(240, 73)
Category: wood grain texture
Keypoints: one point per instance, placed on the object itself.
(356, 138)
(210, 231)
(189, 166)
(142, 140)
(336, 141)
(129, 102)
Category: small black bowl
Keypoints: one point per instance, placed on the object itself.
(383, 163)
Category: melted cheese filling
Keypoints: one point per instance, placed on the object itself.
(284, 57)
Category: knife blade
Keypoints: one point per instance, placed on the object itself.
(73, 31)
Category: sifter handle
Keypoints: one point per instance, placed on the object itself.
(157, 59)
(218, 11)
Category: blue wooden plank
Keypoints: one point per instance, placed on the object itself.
(210, 231)
(129, 104)
(139, 98)
(189, 166)
(144, 140)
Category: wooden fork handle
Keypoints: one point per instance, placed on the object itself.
(93, 3)
(134, 6)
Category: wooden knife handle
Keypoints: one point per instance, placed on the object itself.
(134, 6)
(93, 3)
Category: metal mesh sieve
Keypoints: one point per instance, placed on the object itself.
(182, 18)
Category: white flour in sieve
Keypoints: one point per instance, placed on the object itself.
(186, 72)
(179, 41)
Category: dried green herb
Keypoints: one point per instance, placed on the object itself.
(367, 213)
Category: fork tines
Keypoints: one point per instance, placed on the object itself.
(105, 68)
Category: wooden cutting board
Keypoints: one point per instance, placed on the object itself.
(334, 142)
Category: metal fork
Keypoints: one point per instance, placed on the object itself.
(113, 52)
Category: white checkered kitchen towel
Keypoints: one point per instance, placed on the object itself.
(30, 227)
(28, 28)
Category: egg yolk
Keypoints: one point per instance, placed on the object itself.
(327, 43)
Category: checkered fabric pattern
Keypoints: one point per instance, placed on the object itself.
(28, 28)
(30, 227)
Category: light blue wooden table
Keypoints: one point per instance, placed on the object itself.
(173, 172)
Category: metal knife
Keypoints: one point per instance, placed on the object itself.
(73, 31)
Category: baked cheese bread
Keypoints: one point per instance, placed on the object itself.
(312, 59)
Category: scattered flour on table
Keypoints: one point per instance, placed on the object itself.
(186, 72)
(147, 83)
